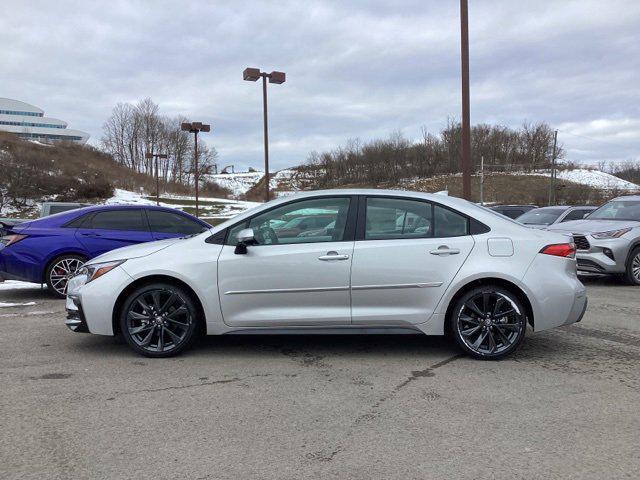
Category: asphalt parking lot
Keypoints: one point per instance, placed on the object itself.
(82, 406)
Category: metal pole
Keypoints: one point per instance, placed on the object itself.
(466, 118)
(552, 184)
(266, 137)
(482, 180)
(157, 183)
(195, 153)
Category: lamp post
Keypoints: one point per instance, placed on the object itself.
(195, 128)
(252, 75)
(156, 156)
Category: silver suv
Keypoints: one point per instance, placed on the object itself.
(608, 240)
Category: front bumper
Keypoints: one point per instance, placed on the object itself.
(76, 321)
(603, 256)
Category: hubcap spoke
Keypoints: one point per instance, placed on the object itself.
(168, 303)
(140, 329)
(474, 308)
(470, 331)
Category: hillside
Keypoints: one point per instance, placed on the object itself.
(32, 173)
(574, 186)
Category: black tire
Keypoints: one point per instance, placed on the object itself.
(488, 322)
(159, 320)
(58, 271)
(632, 273)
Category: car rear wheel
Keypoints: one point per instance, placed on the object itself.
(488, 322)
(60, 270)
(632, 275)
(159, 320)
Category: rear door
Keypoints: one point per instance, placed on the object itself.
(407, 252)
(110, 229)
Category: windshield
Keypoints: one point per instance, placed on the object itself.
(617, 210)
(540, 216)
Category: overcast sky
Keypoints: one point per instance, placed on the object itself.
(355, 69)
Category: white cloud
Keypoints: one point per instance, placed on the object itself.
(354, 69)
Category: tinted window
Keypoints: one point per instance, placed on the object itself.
(169, 222)
(119, 220)
(398, 218)
(61, 208)
(449, 223)
(78, 222)
(307, 221)
(576, 215)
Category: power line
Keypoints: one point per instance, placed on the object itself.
(594, 139)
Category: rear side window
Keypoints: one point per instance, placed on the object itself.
(388, 218)
(576, 215)
(168, 222)
(449, 223)
(78, 222)
(119, 220)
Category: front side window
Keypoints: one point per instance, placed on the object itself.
(169, 222)
(306, 221)
(388, 218)
(119, 220)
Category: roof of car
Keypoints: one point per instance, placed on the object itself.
(628, 197)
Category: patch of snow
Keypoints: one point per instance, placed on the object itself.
(16, 285)
(597, 179)
(238, 183)
(7, 304)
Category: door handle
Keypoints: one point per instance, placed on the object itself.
(332, 255)
(443, 250)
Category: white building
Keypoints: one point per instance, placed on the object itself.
(28, 121)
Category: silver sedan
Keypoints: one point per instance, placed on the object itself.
(388, 262)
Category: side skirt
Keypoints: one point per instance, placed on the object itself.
(347, 330)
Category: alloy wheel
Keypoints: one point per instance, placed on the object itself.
(490, 323)
(158, 320)
(635, 267)
(62, 271)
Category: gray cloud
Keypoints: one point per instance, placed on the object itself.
(354, 69)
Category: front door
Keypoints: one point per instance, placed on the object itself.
(297, 274)
(409, 254)
(111, 229)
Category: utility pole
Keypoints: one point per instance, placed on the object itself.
(552, 183)
(482, 180)
(466, 117)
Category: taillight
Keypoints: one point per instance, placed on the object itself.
(567, 250)
(11, 239)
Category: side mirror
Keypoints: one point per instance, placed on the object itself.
(245, 237)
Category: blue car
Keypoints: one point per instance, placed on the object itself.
(49, 250)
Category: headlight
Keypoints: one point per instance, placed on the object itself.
(612, 233)
(96, 270)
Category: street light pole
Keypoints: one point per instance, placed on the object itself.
(195, 128)
(466, 118)
(252, 75)
(156, 156)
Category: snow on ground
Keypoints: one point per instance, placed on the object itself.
(597, 179)
(16, 285)
(224, 207)
(8, 304)
(237, 183)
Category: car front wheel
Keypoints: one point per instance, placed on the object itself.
(488, 322)
(632, 275)
(159, 320)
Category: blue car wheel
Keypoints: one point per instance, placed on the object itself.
(60, 270)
